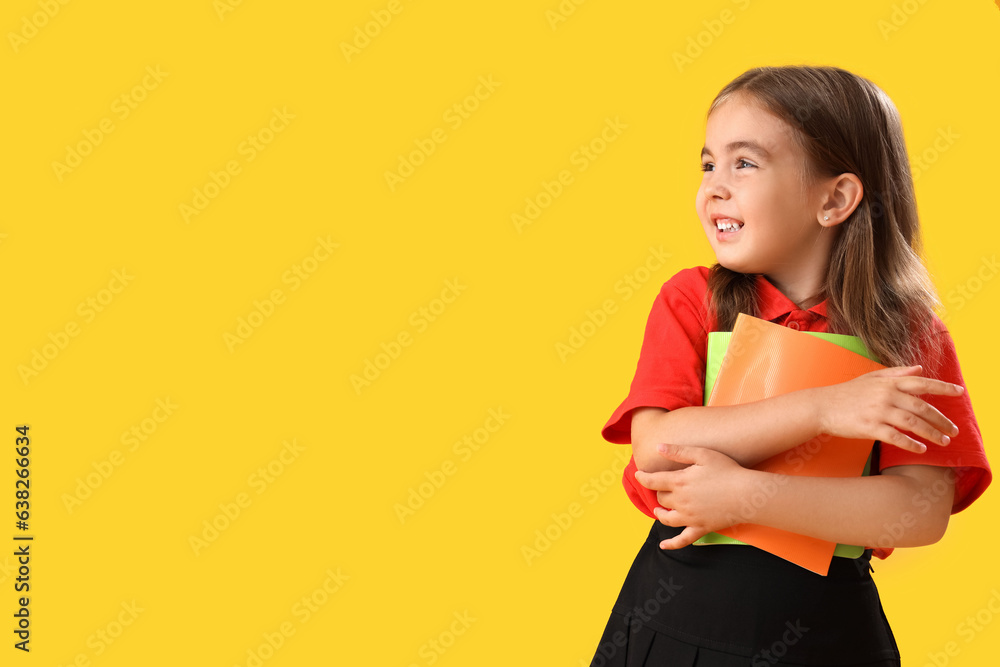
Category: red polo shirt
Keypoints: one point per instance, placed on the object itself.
(671, 374)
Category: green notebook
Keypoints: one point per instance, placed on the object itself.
(718, 342)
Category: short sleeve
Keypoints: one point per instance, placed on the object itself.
(965, 453)
(671, 368)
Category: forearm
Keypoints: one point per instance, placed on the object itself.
(748, 433)
(888, 510)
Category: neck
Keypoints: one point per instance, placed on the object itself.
(802, 295)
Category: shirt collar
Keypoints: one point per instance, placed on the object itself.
(773, 304)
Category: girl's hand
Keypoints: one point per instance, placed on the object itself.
(879, 404)
(703, 497)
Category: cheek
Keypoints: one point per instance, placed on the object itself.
(772, 199)
(699, 202)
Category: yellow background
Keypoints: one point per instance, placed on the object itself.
(333, 508)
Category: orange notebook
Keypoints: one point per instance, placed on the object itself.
(765, 360)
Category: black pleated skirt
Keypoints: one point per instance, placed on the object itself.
(736, 605)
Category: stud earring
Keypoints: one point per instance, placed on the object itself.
(826, 217)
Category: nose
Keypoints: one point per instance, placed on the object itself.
(715, 186)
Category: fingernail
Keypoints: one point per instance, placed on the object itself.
(661, 447)
(945, 440)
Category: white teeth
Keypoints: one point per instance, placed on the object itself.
(727, 226)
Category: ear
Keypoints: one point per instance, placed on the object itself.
(844, 193)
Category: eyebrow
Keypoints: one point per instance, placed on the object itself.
(744, 144)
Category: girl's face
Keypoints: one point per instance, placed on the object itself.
(754, 177)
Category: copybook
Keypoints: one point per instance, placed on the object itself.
(758, 360)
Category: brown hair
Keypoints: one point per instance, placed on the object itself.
(876, 285)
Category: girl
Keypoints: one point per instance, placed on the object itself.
(808, 204)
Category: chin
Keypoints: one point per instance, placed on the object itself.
(735, 265)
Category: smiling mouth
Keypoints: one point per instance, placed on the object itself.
(728, 225)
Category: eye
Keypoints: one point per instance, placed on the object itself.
(705, 166)
(742, 161)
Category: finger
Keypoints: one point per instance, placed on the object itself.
(897, 371)
(904, 420)
(681, 453)
(668, 517)
(686, 537)
(654, 481)
(922, 385)
(890, 436)
(923, 419)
